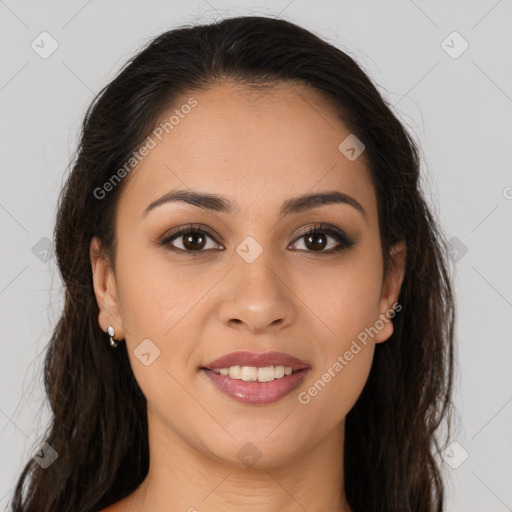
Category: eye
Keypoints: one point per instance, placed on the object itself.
(194, 240)
(316, 239)
(191, 239)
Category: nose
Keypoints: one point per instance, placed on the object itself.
(257, 298)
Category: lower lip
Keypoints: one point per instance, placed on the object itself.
(256, 393)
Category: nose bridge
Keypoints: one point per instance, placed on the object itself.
(258, 297)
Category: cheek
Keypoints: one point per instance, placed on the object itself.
(156, 300)
(344, 346)
(155, 292)
(346, 299)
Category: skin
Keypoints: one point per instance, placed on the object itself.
(257, 150)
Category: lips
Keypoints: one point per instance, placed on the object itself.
(246, 358)
(255, 392)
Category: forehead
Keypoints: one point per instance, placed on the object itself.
(251, 146)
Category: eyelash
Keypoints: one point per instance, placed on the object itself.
(343, 240)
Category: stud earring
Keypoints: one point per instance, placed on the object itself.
(111, 334)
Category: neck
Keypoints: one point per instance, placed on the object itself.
(182, 478)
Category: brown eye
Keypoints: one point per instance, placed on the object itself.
(317, 240)
(191, 240)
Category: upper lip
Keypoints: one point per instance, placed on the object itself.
(246, 358)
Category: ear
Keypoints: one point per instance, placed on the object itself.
(105, 290)
(391, 290)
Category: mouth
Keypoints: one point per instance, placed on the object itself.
(256, 379)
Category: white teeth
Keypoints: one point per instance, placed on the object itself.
(253, 373)
(280, 371)
(235, 372)
(267, 373)
(249, 373)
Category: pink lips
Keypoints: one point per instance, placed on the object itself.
(257, 393)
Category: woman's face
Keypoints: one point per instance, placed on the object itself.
(250, 281)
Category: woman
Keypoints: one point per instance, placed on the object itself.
(258, 314)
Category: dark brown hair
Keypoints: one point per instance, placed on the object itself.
(99, 423)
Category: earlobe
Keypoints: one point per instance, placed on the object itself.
(105, 289)
(391, 289)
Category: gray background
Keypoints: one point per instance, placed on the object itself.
(459, 110)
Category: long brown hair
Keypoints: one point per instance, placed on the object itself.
(99, 424)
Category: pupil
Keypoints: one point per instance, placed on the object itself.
(315, 236)
(189, 241)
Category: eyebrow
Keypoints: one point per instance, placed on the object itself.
(221, 204)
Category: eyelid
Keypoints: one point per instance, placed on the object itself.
(181, 230)
(320, 226)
